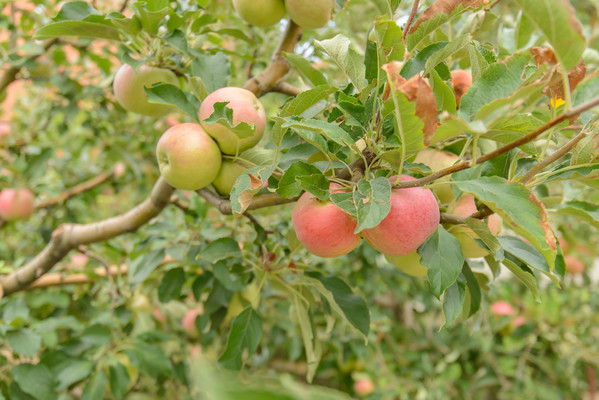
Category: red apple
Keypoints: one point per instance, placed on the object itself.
(323, 228)
(189, 321)
(310, 14)
(364, 387)
(502, 308)
(246, 108)
(129, 86)
(414, 216)
(574, 265)
(461, 81)
(261, 13)
(518, 321)
(437, 160)
(188, 158)
(16, 204)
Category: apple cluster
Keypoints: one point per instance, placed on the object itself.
(310, 14)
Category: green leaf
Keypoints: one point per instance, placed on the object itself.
(453, 301)
(329, 130)
(481, 229)
(131, 25)
(307, 99)
(220, 249)
(306, 69)
(586, 212)
(149, 359)
(525, 275)
(75, 10)
(24, 341)
(223, 274)
(119, 380)
(498, 81)
(150, 18)
(586, 91)
(373, 202)
(509, 129)
(165, 93)
(452, 47)
(223, 115)
(478, 64)
(444, 95)
(442, 254)
(301, 176)
(416, 64)
(36, 380)
(518, 207)
(524, 30)
(353, 307)
(213, 69)
(77, 28)
(557, 20)
(474, 291)
(141, 267)
(342, 52)
(245, 334)
(527, 254)
(71, 371)
(390, 40)
(171, 284)
(412, 126)
(95, 387)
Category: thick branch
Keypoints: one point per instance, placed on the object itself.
(278, 66)
(59, 279)
(70, 236)
(286, 88)
(75, 190)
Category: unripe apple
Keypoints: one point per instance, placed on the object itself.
(188, 158)
(574, 265)
(228, 174)
(246, 108)
(414, 216)
(464, 207)
(129, 86)
(364, 387)
(261, 13)
(502, 308)
(461, 81)
(189, 321)
(310, 14)
(437, 160)
(409, 264)
(16, 204)
(323, 228)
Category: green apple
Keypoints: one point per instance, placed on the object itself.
(409, 264)
(188, 157)
(228, 174)
(437, 160)
(129, 86)
(310, 14)
(261, 13)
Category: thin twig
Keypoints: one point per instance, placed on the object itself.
(410, 19)
(75, 190)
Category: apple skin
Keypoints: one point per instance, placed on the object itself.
(16, 204)
(310, 14)
(246, 108)
(409, 264)
(228, 174)
(364, 387)
(461, 81)
(129, 91)
(189, 321)
(324, 229)
(437, 160)
(464, 207)
(262, 13)
(573, 265)
(502, 308)
(414, 216)
(188, 158)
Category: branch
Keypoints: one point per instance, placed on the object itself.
(410, 19)
(59, 279)
(11, 74)
(285, 88)
(278, 66)
(75, 190)
(69, 236)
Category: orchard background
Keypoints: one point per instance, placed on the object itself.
(115, 285)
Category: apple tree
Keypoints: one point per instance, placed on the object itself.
(195, 191)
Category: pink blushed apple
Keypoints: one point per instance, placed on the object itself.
(414, 216)
(16, 204)
(502, 308)
(324, 229)
(364, 387)
(189, 321)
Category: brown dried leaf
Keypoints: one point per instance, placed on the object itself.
(543, 55)
(555, 87)
(445, 7)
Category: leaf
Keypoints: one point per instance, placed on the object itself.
(165, 93)
(307, 99)
(390, 41)
(245, 334)
(584, 211)
(141, 267)
(171, 284)
(149, 359)
(302, 176)
(527, 254)
(224, 276)
(247, 185)
(342, 52)
(481, 229)
(77, 28)
(416, 64)
(557, 20)
(353, 307)
(24, 341)
(35, 380)
(452, 47)
(473, 290)
(311, 342)
(119, 380)
(373, 202)
(306, 69)
(519, 208)
(213, 69)
(525, 275)
(514, 127)
(444, 95)
(75, 10)
(326, 129)
(453, 302)
(498, 81)
(223, 115)
(220, 249)
(442, 254)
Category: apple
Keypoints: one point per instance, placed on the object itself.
(160, 317)
(262, 13)
(409, 264)
(502, 308)
(437, 160)
(461, 81)
(79, 260)
(364, 387)
(228, 174)
(310, 14)
(414, 216)
(246, 108)
(188, 158)
(189, 321)
(119, 169)
(16, 204)
(518, 321)
(324, 229)
(129, 86)
(574, 265)
(464, 207)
